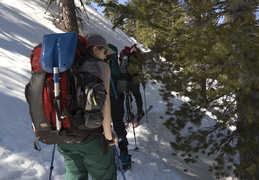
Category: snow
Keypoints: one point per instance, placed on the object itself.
(23, 23)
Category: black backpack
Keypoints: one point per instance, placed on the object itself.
(82, 97)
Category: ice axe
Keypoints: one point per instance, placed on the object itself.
(57, 55)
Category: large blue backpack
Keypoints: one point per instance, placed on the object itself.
(118, 85)
(113, 61)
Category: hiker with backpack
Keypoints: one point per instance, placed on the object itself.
(89, 156)
(69, 103)
(131, 61)
(117, 109)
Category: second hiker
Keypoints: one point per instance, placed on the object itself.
(117, 109)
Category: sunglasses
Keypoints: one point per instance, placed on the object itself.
(101, 48)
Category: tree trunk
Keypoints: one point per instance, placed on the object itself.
(69, 15)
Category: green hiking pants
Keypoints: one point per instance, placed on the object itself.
(88, 157)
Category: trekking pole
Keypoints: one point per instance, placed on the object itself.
(118, 162)
(52, 161)
(129, 106)
(144, 88)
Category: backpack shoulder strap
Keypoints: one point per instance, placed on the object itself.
(81, 46)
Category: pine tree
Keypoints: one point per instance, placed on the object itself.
(210, 57)
(245, 38)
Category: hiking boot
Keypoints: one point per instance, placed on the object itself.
(126, 161)
(141, 113)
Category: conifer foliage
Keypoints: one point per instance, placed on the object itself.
(210, 55)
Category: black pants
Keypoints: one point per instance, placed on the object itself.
(117, 114)
(134, 88)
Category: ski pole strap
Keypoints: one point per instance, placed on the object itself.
(104, 146)
(36, 144)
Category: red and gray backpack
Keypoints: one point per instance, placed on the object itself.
(81, 100)
(125, 54)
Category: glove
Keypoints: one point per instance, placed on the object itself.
(113, 140)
